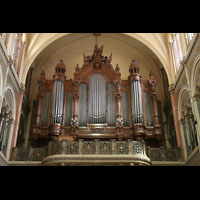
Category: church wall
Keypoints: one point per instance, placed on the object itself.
(9, 88)
(186, 80)
(185, 88)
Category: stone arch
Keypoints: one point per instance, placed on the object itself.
(183, 100)
(155, 45)
(189, 133)
(195, 91)
(195, 76)
(9, 97)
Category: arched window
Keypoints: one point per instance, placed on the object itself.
(189, 37)
(4, 37)
(17, 51)
(176, 51)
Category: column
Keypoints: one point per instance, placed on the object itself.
(192, 99)
(196, 100)
(17, 118)
(182, 123)
(157, 126)
(119, 120)
(176, 122)
(74, 121)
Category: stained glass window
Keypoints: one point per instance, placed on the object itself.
(177, 51)
(4, 37)
(189, 37)
(17, 49)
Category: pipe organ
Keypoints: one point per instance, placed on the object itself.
(97, 104)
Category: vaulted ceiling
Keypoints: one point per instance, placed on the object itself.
(47, 48)
(44, 50)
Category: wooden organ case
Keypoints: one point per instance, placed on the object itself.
(97, 104)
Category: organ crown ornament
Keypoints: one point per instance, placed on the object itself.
(60, 67)
(134, 68)
(97, 58)
(60, 71)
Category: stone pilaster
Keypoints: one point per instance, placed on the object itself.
(17, 119)
(176, 122)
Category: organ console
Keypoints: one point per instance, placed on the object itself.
(97, 104)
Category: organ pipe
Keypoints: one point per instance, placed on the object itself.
(137, 106)
(99, 97)
(58, 99)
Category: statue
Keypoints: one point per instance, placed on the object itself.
(74, 121)
(97, 51)
(106, 59)
(77, 69)
(86, 59)
(119, 121)
(117, 69)
(101, 50)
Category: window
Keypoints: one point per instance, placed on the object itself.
(176, 51)
(4, 37)
(17, 51)
(189, 37)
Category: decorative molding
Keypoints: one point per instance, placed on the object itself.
(171, 88)
(96, 159)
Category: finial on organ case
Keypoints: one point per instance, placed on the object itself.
(134, 68)
(152, 79)
(60, 67)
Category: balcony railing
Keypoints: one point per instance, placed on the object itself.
(98, 148)
(164, 154)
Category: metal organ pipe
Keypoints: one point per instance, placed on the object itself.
(132, 101)
(97, 98)
(140, 103)
(61, 100)
(98, 103)
(136, 104)
(136, 95)
(58, 98)
(58, 102)
(53, 103)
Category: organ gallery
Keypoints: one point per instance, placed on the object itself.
(97, 105)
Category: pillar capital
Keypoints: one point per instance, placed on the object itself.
(22, 88)
(196, 97)
(171, 88)
(183, 62)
